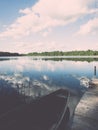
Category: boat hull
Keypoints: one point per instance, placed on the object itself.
(49, 112)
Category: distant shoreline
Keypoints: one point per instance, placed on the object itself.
(84, 54)
(6, 54)
(68, 53)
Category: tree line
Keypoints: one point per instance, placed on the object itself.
(61, 53)
(9, 54)
(54, 53)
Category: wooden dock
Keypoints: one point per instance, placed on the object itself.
(86, 113)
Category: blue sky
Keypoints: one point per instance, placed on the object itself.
(48, 25)
(9, 9)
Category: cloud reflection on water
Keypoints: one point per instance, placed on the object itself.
(48, 74)
(25, 86)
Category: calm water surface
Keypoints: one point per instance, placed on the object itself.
(23, 77)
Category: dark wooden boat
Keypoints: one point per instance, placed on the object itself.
(49, 112)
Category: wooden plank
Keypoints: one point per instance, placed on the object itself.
(86, 113)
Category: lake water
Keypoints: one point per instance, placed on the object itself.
(22, 77)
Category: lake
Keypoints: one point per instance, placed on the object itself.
(24, 78)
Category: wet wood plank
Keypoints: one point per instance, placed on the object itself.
(86, 113)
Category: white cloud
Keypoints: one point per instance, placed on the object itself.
(90, 27)
(39, 46)
(25, 11)
(46, 14)
(61, 9)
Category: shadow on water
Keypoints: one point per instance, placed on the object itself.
(9, 97)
